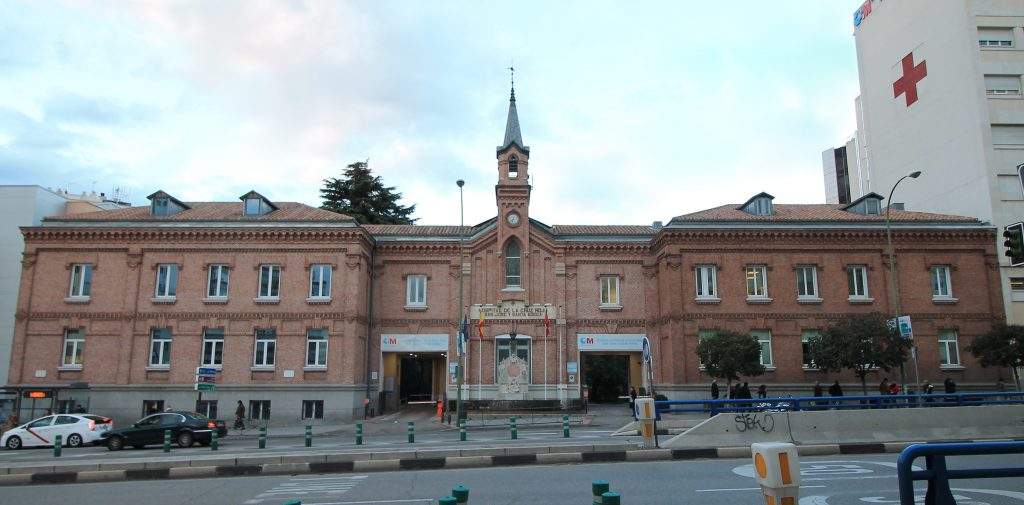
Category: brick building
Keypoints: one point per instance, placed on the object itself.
(281, 297)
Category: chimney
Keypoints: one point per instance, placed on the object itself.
(657, 225)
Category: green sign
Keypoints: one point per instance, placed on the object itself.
(206, 386)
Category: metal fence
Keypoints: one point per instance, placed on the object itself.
(795, 404)
(938, 476)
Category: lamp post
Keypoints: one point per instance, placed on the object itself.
(894, 289)
(460, 345)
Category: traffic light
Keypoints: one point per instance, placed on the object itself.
(1014, 235)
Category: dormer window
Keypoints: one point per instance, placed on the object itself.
(162, 204)
(869, 205)
(759, 205)
(513, 167)
(256, 204)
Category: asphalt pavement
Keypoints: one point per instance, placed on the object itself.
(836, 480)
(536, 435)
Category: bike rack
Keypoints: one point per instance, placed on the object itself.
(938, 476)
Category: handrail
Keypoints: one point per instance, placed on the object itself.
(841, 402)
(938, 476)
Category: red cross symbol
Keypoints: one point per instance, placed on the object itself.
(911, 76)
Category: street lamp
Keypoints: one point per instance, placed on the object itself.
(894, 289)
(459, 355)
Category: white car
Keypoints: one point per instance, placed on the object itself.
(75, 430)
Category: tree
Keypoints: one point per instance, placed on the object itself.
(861, 343)
(1001, 346)
(727, 355)
(363, 196)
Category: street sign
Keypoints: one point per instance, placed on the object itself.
(206, 378)
(205, 386)
(902, 324)
(647, 350)
(572, 378)
(453, 367)
(572, 367)
(204, 370)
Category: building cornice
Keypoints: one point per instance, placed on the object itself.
(824, 236)
(196, 234)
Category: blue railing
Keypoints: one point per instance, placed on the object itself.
(839, 402)
(938, 475)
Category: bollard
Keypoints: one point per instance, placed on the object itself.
(263, 437)
(512, 427)
(598, 488)
(359, 433)
(777, 470)
(565, 426)
(462, 430)
(645, 414)
(293, 502)
(461, 494)
(412, 434)
(213, 439)
(309, 436)
(446, 500)
(167, 440)
(611, 498)
(56, 446)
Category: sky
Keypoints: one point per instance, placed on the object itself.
(633, 111)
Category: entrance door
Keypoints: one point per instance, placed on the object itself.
(606, 376)
(417, 381)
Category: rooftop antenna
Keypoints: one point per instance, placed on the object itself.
(512, 73)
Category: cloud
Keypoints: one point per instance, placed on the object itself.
(632, 115)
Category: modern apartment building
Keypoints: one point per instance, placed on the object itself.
(940, 90)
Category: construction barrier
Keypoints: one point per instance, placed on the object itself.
(777, 470)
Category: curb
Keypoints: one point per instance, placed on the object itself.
(406, 460)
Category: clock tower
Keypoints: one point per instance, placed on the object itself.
(512, 194)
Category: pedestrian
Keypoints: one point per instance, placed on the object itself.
(949, 385)
(818, 390)
(762, 391)
(894, 388)
(927, 388)
(1000, 385)
(835, 389)
(714, 390)
(79, 409)
(883, 387)
(239, 416)
(745, 391)
(632, 401)
(732, 391)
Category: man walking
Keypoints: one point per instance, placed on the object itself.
(240, 416)
(714, 389)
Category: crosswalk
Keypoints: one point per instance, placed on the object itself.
(308, 489)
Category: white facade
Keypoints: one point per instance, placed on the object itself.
(965, 130)
(19, 206)
(853, 179)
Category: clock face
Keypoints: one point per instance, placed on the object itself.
(512, 218)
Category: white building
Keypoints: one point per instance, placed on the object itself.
(940, 86)
(844, 178)
(26, 206)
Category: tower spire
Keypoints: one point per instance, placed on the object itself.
(512, 133)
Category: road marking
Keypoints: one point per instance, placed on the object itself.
(743, 489)
(318, 487)
(413, 500)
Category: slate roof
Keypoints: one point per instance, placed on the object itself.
(826, 213)
(513, 135)
(413, 230)
(211, 212)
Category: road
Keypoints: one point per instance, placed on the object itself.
(837, 480)
(345, 443)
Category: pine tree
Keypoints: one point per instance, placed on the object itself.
(364, 196)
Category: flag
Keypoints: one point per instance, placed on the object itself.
(463, 336)
(547, 325)
(480, 326)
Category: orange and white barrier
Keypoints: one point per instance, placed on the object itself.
(645, 414)
(777, 470)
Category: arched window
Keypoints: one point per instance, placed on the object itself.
(513, 167)
(1020, 175)
(513, 275)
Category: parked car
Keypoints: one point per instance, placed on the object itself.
(186, 428)
(75, 430)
